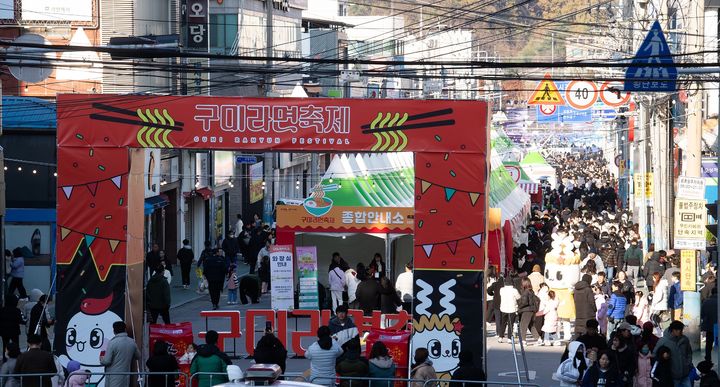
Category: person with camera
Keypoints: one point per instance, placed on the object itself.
(270, 350)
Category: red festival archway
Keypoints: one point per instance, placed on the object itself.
(100, 197)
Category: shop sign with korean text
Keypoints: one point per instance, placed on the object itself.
(690, 220)
(347, 219)
(691, 188)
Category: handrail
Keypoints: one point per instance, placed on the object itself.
(478, 382)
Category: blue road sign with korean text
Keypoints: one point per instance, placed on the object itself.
(652, 69)
(245, 159)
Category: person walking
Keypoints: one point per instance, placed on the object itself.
(680, 353)
(633, 259)
(120, 354)
(528, 305)
(186, 257)
(39, 322)
(675, 297)
(162, 362)
(422, 369)
(264, 274)
(336, 279)
(708, 319)
(17, 274)
(211, 361)
(215, 268)
(231, 247)
(322, 355)
(153, 259)
(10, 320)
(494, 292)
(550, 322)
(616, 308)
(571, 371)
(659, 304)
(509, 297)
(157, 294)
(389, 299)
(11, 353)
(404, 285)
(233, 282)
(36, 361)
(381, 365)
(585, 308)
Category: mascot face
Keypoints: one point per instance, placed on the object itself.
(439, 336)
(562, 265)
(438, 332)
(88, 333)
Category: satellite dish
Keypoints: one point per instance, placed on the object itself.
(30, 64)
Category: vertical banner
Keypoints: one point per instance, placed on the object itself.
(688, 270)
(690, 220)
(177, 336)
(448, 317)
(639, 188)
(307, 276)
(649, 191)
(282, 296)
(198, 32)
(256, 180)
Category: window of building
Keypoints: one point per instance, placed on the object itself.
(223, 31)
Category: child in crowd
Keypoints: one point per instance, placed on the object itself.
(644, 360)
(551, 319)
(232, 285)
(601, 307)
(641, 310)
(661, 371)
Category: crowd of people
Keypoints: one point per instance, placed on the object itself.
(583, 262)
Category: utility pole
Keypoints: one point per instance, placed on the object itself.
(268, 167)
(696, 30)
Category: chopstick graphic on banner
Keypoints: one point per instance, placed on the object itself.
(91, 186)
(452, 245)
(156, 125)
(378, 124)
(449, 191)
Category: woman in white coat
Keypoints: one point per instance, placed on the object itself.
(550, 324)
(659, 304)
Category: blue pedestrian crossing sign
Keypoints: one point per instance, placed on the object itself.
(652, 69)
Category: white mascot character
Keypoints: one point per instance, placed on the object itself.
(439, 333)
(562, 272)
(87, 334)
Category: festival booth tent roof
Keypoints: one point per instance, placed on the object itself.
(524, 181)
(514, 204)
(536, 167)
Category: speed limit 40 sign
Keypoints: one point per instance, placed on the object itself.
(581, 95)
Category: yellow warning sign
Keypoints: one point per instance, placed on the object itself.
(546, 93)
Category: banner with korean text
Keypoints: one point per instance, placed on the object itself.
(282, 289)
(307, 277)
(256, 182)
(690, 220)
(397, 220)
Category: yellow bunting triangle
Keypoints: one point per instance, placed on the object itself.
(425, 185)
(113, 244)
(546, 93)
(473, 197)
(64, 232)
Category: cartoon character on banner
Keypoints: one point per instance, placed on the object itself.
(439, 333)
(87, 334)
(562, 272)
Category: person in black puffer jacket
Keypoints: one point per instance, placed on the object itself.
(389, 299)
(626, 360)
(527, 307)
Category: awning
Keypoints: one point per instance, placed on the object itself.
(531, 188)
(205, 193)
(155, 202)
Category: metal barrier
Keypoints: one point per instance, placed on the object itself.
(464, 383)
(144, 377)
(361, 381)
(21, 378)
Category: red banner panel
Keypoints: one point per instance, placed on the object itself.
(302, 124)
(178, 336)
